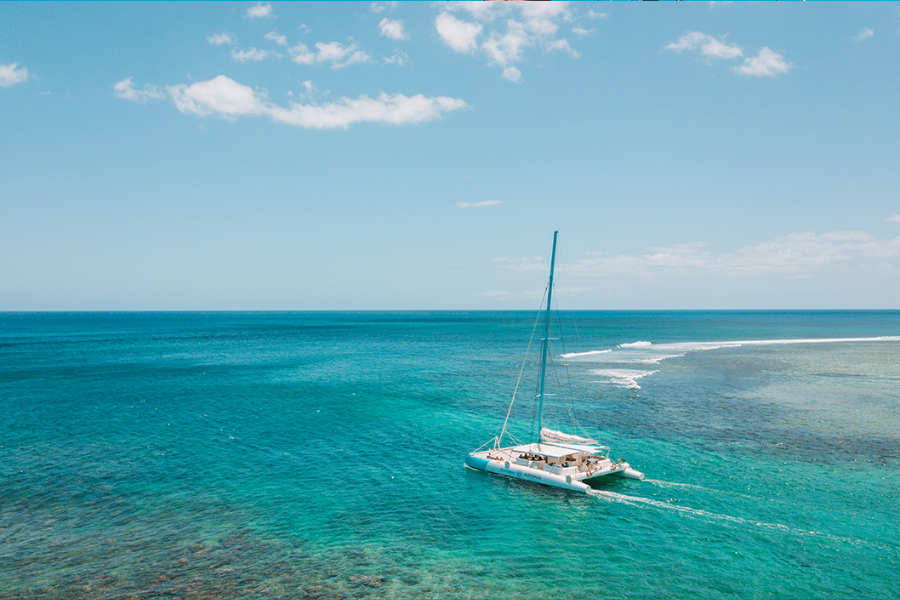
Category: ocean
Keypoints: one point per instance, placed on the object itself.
(321, 455)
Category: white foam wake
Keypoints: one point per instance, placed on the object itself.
(705, 514)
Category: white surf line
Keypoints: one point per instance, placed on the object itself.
(695, 512)
(886, 338)
(591, 353)
(627, 378)
(700, 346)
(636, 345)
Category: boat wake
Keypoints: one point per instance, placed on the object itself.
(705, 514)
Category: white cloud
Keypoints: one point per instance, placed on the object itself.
(523, 25)
(459, 35)
(281, 40)
(229, 99)
(10, 75)
(512, 74)
(221, 39)
(399, 57)
(597, 15)
(392, 29)
(765, 64)
(864, 34)
(707, 44)
(894, 217)
(562, 44)
(379, 7)
(253, 54)
(260, 11)
(334, 52)
(125, 89)
(479, 204)
(222, 96)
(794, 254)
(581, 30)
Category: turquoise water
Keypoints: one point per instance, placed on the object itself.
(317, 455)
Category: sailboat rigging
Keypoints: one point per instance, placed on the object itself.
(557, 459)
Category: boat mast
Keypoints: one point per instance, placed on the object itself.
(546, 342)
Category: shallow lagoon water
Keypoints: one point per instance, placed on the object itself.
(315, 455)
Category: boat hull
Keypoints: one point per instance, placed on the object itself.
(620, 470)
(510, 469)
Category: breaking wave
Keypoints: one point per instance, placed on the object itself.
(591, 353)
(636, 345)
(650, 353)
(627, 378)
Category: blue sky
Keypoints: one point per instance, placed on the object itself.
(307, 156)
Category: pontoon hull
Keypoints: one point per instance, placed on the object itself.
(620, 471)
(515, 471)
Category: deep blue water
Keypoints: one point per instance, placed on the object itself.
(315, 455)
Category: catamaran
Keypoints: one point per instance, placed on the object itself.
(556, 459)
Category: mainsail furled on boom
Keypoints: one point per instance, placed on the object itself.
(549, 435)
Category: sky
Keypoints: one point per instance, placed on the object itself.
(419, 156)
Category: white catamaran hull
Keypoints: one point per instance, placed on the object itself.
(528, 474)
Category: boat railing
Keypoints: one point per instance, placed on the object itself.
(493, 441)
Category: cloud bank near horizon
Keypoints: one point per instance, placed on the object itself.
(795, 254)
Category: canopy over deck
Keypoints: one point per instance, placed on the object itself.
(557, 450)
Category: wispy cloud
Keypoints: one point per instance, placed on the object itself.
(508, 28)
(399, 57)
(795, 254)
(11, 74)
(125, 89)
(765, 64)
(229, 99)
(380, 7)
(480, 204)
(251, 54)
(273, 36)
(221, 39)
(894, 217)
(597, 15)
(581, 30)
(334, 52)
(707, 44)
(392, 29)
(864, 34)
(260, 11)
(526, 263)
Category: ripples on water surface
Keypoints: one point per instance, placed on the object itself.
(299, 455)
